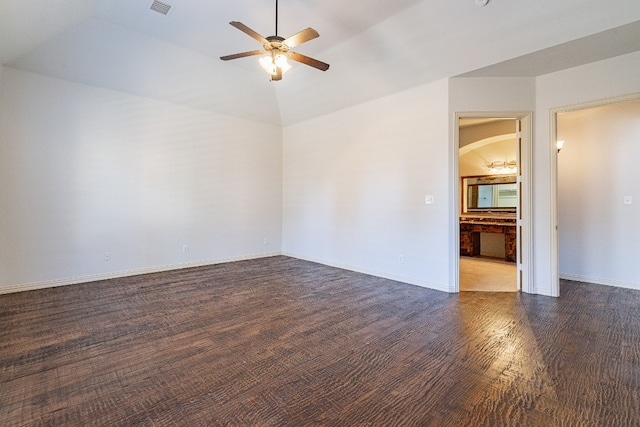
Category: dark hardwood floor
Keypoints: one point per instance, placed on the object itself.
(284, 342)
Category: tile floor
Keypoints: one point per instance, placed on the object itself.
(487, 275)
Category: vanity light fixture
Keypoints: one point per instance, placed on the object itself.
(499, 167)
(559, 145)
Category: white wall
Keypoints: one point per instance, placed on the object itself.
(491, 94)
(2, 186)
(598, 233)
(85, 171)
(355, 183)
(600, 80)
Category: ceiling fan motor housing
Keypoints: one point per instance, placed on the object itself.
(276, 43)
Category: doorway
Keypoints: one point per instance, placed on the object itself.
(491, 153)
(594, 182)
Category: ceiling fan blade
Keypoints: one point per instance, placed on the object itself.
(301, 37)
(309, 61)
(242, 55)
(247, 30)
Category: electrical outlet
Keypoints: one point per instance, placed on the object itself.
(400, 258)
(428, 199)
(185, 248)
(628, 200)
(265, 241)
(107, 256)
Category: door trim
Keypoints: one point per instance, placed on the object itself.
(526, 117)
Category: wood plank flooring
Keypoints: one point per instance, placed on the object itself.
(284, 342)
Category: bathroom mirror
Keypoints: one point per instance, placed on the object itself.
(489, 193)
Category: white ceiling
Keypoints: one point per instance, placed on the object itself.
(375, 47)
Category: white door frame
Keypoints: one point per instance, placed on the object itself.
(525, 246)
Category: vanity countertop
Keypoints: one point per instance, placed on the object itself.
(488, 220)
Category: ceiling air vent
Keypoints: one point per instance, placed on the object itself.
(160, 7)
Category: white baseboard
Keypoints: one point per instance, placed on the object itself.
(371, 272)
(134, 272)
(600, 281)
(117, 274)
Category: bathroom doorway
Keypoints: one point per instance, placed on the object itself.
(490, 202)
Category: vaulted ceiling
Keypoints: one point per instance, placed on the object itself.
(375, 47)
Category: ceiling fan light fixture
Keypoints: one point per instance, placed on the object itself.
(267, 64)
(281, 61)
(272, 62)
(286, 67)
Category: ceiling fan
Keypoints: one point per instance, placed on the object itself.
(277, 50)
